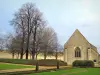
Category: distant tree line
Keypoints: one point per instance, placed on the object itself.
(32, 34)
(2, 42)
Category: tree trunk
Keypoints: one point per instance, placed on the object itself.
(56, 55)
(58, 65)
(18, 56)
(28, 37)
(36, 56)
(21, 55)
(34, 43)
(27, 47)
(22, 42)
(22, 45)
(30, 56)
(37, 65)
(45, 54)
(33, 54)
(12, 55)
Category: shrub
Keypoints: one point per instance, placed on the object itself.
(83, 63)
(47, 62)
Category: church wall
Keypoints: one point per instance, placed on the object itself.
(89, 54)
(84, 53)
(99, 60)
(65, 55)
(71, 54)
(94, 55)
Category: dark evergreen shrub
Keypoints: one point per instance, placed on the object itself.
(83, 63)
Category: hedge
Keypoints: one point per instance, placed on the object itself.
(83, 63)
(47, 62)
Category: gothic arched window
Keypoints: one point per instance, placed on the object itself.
(77, 52)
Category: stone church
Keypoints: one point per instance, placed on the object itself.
(78, 48)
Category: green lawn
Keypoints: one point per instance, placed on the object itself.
(75, 71)
(4, 66)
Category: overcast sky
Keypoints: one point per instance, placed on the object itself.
(63, 15)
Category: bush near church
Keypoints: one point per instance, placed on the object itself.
(83, 63)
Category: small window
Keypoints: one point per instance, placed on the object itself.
(94, 60)
(77, 52)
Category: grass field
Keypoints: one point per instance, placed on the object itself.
(75, 71)
(4, 66)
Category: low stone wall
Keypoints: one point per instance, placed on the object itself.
(8, 55)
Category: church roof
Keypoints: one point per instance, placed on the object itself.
(92, 46)
(77, 32)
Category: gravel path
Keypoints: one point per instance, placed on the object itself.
(28, 69)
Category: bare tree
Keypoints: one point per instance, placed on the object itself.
(11, 45)
(30, 25)
(2, 43)
(48, 38)
(33, 21)
(39, 25)
(20, 26)
(58, 50)
(39, 39)
(26, 21)
(29, 13)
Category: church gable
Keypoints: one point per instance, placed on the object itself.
(78, 48)
(76, 39)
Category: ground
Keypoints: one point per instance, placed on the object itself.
(5, 66)
(75, 71)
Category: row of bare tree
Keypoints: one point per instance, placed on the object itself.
(33, 35)
(2, 42)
